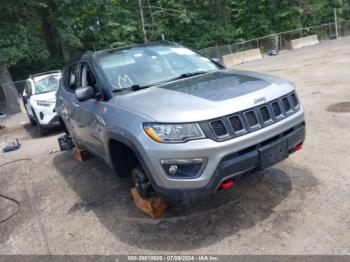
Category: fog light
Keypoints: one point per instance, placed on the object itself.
(184, 168)
(173, 169)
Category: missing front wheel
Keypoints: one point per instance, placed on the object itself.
(142, 184)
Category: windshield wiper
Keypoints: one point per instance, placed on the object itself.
(186, 75)
(134, 87)
(138, 87)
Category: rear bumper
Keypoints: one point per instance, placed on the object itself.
(235, 166)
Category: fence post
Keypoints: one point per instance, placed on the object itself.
(276, 42)
(336, 23)
(280, 37)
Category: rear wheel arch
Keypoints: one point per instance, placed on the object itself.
(63, 125)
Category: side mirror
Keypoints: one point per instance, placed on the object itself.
(84, 93)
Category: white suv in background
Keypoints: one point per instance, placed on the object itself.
(39, 98)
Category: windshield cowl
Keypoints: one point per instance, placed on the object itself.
(182, 76)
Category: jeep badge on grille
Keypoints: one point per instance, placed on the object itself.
(260, 100)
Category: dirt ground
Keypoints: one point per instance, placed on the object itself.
(301, 206)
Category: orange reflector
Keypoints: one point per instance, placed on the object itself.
(151, 134)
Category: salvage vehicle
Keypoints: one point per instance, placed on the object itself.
(39, 99)
(183, 125)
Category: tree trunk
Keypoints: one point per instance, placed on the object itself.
(10, 91)
(49, 34)
(65, 51)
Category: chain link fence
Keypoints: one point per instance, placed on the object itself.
(279, 41)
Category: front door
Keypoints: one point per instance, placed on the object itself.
(88, 123)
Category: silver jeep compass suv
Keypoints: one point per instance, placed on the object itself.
(181, 124)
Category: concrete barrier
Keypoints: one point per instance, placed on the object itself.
(241, 57)
(304, 41)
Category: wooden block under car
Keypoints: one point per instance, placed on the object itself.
(154, 206)
(80, 154)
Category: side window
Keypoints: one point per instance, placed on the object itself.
(72, 79)
(87, 77)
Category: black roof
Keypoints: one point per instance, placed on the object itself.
(89, 54)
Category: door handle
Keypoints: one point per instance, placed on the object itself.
(75, 104)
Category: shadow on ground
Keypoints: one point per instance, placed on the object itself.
(184, 227)
(33, 131)
(26, 131)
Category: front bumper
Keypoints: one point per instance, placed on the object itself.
(47, 116)
(54, 122)
(235, 166)
(152, 153)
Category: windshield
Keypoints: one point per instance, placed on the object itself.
(149, 65)
(47, 84)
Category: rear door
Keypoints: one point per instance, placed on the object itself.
(66, 101)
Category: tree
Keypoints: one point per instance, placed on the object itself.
(42, 34)
(22, 41)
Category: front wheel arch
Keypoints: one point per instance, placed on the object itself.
(122, 158)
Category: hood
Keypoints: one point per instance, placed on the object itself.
(205, 96)
(45, 96)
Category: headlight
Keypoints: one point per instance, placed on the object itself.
(45, 103)
(173, 133)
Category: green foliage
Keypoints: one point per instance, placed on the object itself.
(21, 37)
(107, 24)
(40, 34)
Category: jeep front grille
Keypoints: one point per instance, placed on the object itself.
(294, 100)
(219, 128)
(253, 119)
(265, 115)
(236, 123)
(276, 109)
(286, 104)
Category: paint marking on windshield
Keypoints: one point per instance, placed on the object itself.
(125, 80)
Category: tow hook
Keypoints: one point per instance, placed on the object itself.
(298, 147)
(227, 184)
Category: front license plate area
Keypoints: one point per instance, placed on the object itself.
(272, 154)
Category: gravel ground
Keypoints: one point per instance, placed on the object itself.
(301, 206)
